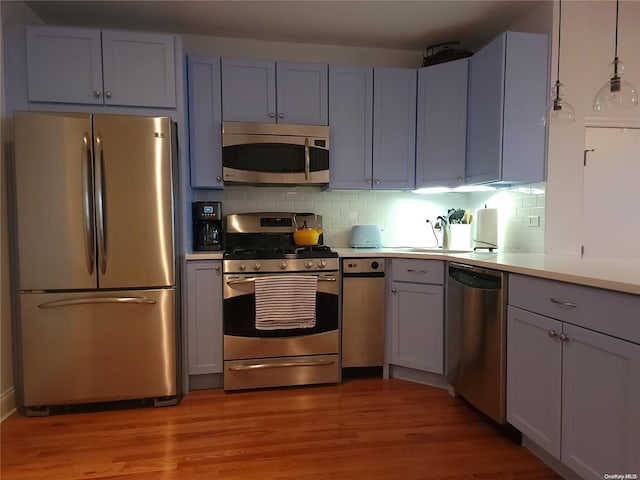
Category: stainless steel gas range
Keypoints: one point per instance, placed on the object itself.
(281, 305)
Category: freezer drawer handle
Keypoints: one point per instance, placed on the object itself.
(260, 366)
(93, 300)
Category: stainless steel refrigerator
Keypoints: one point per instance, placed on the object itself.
(96, 258)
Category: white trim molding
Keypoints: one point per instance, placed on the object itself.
(7, 403)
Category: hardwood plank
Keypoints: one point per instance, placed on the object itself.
(363, 428)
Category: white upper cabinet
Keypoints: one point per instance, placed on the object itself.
(264, 91)
(508, 91)
(441, 125)
(87, 66)
(394, 128)
(351, 131)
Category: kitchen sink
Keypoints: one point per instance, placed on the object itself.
(437, 250)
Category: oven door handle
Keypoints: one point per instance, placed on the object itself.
(241, 281)
(261, 366)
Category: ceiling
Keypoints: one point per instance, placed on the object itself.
(394, 24)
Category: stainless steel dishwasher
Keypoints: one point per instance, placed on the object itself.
(362, 316)
(476, 337)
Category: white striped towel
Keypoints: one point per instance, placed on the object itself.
(286, 301)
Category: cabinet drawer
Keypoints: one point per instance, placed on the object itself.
(417, 271)
(609, 312)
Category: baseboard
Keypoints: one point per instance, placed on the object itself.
(550, 460)
(417, 376)
(7, 403)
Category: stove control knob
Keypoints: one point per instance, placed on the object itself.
(308, 264)
(242, 267)
(257, 266)
(283, 264)
(322, 263)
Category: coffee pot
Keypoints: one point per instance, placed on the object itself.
(207, 226)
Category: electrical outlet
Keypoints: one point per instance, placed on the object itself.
(533, 221)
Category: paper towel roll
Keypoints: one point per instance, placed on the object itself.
(486, 231)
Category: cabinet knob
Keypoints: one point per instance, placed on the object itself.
(460, 179)
(563, 337)
(369, 181)
(393, 290)
(107, 94)
(552, 333)
(96, 93)
(281, 115)
(272, 115)
(377, 181)
(219, 178)
(217, 268)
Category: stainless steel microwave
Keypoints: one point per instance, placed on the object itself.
(275, 153)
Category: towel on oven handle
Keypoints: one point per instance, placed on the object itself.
(286, 301)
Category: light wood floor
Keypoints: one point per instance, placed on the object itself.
(362, 429)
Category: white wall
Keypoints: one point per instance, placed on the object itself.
(588, 31)
(285, 51)
(10, 12)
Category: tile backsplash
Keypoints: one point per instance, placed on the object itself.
(401, 215)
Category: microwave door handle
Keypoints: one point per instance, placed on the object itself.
(306, 158)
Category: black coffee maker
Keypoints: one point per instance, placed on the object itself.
(207, 226)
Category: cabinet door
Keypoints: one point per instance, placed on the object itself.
(600, 404)
(139, 69)
(417, 322)
(485, 112)
(351, 120)
(205, 122)
(248, 90)
(534, 359)
(441, 125)
(204, 316)
(302, 93)
(394, 128)
(526, 91)
(64, 65)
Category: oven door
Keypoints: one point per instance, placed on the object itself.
(243, 340)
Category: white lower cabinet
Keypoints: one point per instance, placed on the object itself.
(572, 391)
(417, 315)
(204, 317)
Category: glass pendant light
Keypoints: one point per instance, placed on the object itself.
(617, 93)
(560, 111)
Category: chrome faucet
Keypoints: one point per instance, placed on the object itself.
(443, 225)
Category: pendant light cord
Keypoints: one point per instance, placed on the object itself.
(559, 33)
(616, 48)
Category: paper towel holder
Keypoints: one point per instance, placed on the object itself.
(485, 236)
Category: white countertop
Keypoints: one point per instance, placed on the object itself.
(621, 275)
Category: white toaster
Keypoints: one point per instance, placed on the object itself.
(365, 236)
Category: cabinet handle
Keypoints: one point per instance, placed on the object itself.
(107, 94)
(377, 181)
(552, 333)
(563, 337)
(563, 304)
(272, 115)
(421, 272)
(96, 93)
(281, 115)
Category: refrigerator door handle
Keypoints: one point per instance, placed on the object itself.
(93, 300)
(88, 204)
(101, 206)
